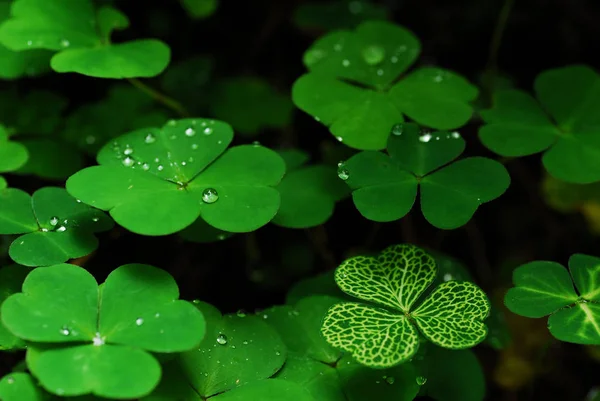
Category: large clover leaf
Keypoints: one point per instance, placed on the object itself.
(545, 288)
(56, 226)
(352, 86)
(385, 186)
(81, 35)
(564, 124)
(97, 340)
(386, 335)
(181, 166)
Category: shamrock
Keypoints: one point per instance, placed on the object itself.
(55, 225)
(563, 123)
(385, 186)
(352, 88)
(82, 39)
(157, 181)
(385, 334)
(572, 300)
(98, 340)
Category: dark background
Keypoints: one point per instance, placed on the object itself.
(255, 270)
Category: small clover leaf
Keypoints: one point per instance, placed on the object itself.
(572, 300)
(11, 280)
(385, 186)
(562, 123)
(308, 195)
(13, 155)
(340, 14)
(20, 387)
(56, 226)
(386, 335)
(352, 88)
(186, 166)
(98, 340)
(81, 36)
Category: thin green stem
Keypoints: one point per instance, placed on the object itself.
(160, 97)
(492, 65)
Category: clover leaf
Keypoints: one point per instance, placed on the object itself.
(352, 88)
(3, 183)
(11, 280)
(344, 14)
(386, 335)
(13, 155)
(238, 350)
(385, 186)
(250, 104)
(572, 300)
(308, 193)
(81, 35)
(56, 226)
(562, 123)
(92, 340)
(200, 9)
(20, 387)
(187, 167)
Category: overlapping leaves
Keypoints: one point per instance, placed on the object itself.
(385, 335)
(81, 36)
(85, 340)
(385, 185)
(55, 226)
(562, 122)
(157, 181)
(352, 88)
(572, 300)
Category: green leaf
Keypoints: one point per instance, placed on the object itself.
(546, 288)
(3, 183)
(200, 9)
(11, 280)
(308, 196)
(321, 284)
(13, 155)
(56, 227)
(81, 37)
(385, 186)
(250, 105)
(37, 113)
(20, 387)
(337, 14)
(321, 380)
(104, 336)
(517, 125)
(188, 80)
(272, 389)
(182, 165)
(351, 86)
(451, 316)
(201, 232)
(43, 161)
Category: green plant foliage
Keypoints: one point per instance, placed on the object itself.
(56, 226)
(562, 123)
(202, 232)
(37, 113)
(20, 387)
(199, 9)
(11, 280)
(43, 162)
(308, 193)
(3, 182)
(186, 163)
(385, 335)
(250, 105)
(82, 39)
(100, 340)
(572, 300)
(385, 186)
(13, 155)
(352, 86)
(345, 14)
(188, 80)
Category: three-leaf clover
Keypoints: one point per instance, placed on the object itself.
(157, 181)
(386, 335)
(352, 85)
(90, 339)
(55, 225)
(81, 35)
(385, 186)
(563, 123)
(572, 300)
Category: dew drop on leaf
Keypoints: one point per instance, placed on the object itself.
(194, 146)
(10, 380)
(65, 43)
(342, 172)
(128, 161)
(241, 313)
(98, 340)
(221, 339)
(398, 129)
(373, 54)
(196, 301)
(455, 135)
(190, 131)
(145, 167)
(65, 331)
(61, 229)
(425, 138)
(139, 321)
(160, 167)
(208, 131)
(339, 138)
(95, 219)
(210, 195)
(421, 380)
(314, 56)
(346, 63)
(128, 151)
(53, 221)
(150, 138)
(390, 380)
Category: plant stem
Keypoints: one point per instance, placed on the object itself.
(492, 64)
(160, 97)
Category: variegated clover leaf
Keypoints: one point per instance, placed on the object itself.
(385, 334)
(545, 288)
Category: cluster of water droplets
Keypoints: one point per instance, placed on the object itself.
(425, 134)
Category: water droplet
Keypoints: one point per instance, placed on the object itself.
(210, 195)
(145, 167)
(150, 138)
(61, 229)
(339, 138)
(190, 131)
(128, 161)
(401, 49)
(421, 380)
(380, 72)
(398, 129)
(171, 123)
(314, 56)
(221, 339)
(438, 78)
(90, 139)
(245, 343)
(394, 59)
(54, 221)
(65, 43)
(346, 62)
(455, 135)
(95, 219)
(65, 331)
(194, 146)
(277, 353)
(373, 54)
(98, 340)
(10, 380)
(128, 151)
(448, 277)
(390, 380)
(207, 131)
(196, 301)
(221, 237)
(139, 321)
(338, 47)
(241, 313)
(342, 172)
(160, 167)
(29, 43)
(425, 138)
(183, 163)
